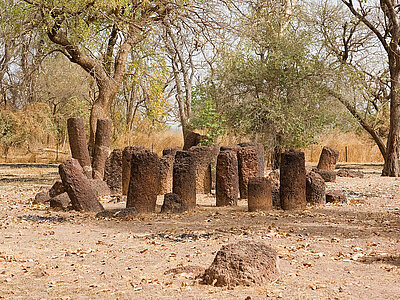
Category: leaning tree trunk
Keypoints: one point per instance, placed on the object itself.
(391, 166)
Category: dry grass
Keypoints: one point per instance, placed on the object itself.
(360, 148)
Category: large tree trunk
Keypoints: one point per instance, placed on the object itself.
(391, 167)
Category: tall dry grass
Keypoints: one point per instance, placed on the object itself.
(359, 148)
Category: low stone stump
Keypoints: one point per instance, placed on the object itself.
(328, 159)
(260, 156)
(126, 166)
(60, 201)
(260, 195)
(166, 173)
(41, 197)
(173, 204)
(293, 180)
(350, 173)
(328, 176)
(243, 263)
(202, 158)
(184, 178)
(170, 151)
(145, 181)
(78, 187)
(56, 189)
(227, 179)
(113, 171)
(78, 145)
(336, 197)
(101, 147)
(315, 188)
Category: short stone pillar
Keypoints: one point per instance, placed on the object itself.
(126, 166)
(78, 187)
(260, 195)
(184, 178)
(293, 180)
(166, 172)
(202, 157)
(173, 204)
(328, 159)
(260, 155)
(78, 144)
(144, 182)
(315, 188)
(101, 147)
(227, 179)
(248, 167)
(113, 171)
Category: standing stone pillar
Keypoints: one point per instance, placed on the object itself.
(166, 173)
(227, 181)
(184, 178)
(328, 159)
(101, 147)
(202, 157)
(78, 144)
(78, 187)
(260, 195)
(260, 155)
(144, 182)
(293, 180)
(126, 166)
(248, 167)
(113, 171)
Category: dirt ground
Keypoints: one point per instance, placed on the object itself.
(336, 251)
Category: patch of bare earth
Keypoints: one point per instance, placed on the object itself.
(336, 251)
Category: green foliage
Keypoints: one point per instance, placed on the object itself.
(205, 116)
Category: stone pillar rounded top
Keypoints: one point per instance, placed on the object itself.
(293, 180)
(78, 143)
(126, 166)
(328, 159)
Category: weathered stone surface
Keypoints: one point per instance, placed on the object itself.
(173, 204)
(170, 151)
(227, 179)
(184, 178)
(41, 197)
(350, 173)
(166, 173)
(248, 167)
(60, 201)
(202, 158)
(145, 181)
(336, 196)
(191, 139)
(260, 195)
(243, 263)
(101, 147)
(315, 188)
(234, 148)
(126, 166)
(78, 144)
(328, 176)
(213, 164)
(100, 187)
(78, 187)
(260, 155)
(328, 159)
(119, 213)
(56, 189)
(274, 177)
(293, 180)
(113, 171)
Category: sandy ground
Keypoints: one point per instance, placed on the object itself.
(336, 251)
